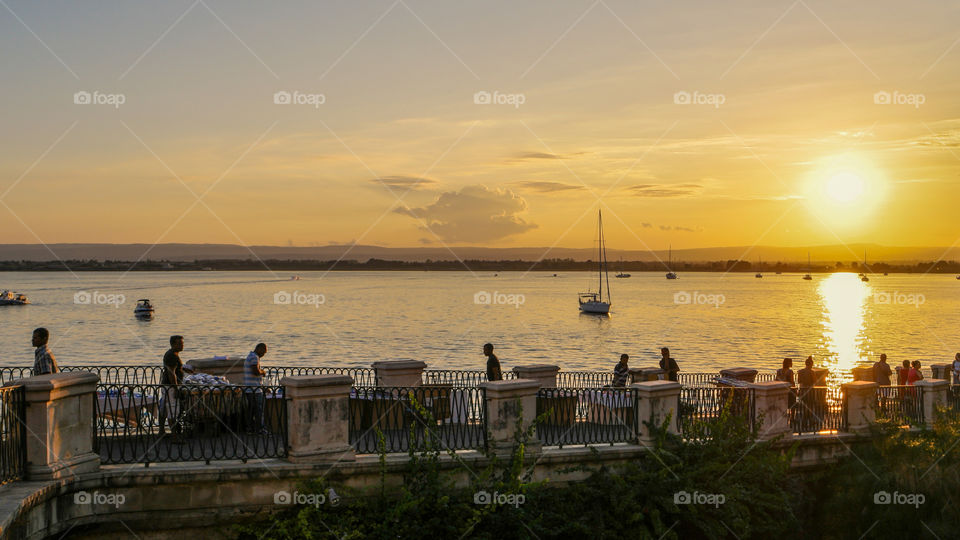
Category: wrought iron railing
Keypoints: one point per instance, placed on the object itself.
(687, 378)
(584, 379)
(584, 416)
(121, 374)
(453, 416)
(13, 434)
(10, 373)
(702, 407)
(460, 377)
(146, 423)
(816, 409)
(902, 405)
(361, 376)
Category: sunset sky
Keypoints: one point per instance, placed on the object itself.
(810, 122)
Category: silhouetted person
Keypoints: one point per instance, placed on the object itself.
(914, 374)
(956, 369)
(902, 373)
(785, 374)
(621, 372)
(882, 371)
(806, 380)
(493, 364)
(669, 365)
(44, 363)
(172, 377)
(253, 377)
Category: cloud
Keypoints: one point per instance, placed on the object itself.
(403, 182)
(538, 155)
(677, 228)
(548, 187)
(664, 190)
(473, 214)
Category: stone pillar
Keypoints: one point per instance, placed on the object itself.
(934, 394)
(639, 375)
(546, 375)
(509, 402)
(741, 373)
(772, 408)
(230, 367)
(942, 371)
(399, 372)
(656, 400)
(318, 418)
(59, 420)
(861, 397)
(862, 373)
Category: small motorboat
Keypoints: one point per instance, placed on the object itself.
(10, 298)
(807, 277)
(294, 278)
(864, 278)
(622, 275)
(144, 309)
(758, 275)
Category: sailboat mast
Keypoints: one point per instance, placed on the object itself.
(603, 247)
(600, 253)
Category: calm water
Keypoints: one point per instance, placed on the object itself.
(732, 320)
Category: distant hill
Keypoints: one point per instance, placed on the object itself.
(190, 252)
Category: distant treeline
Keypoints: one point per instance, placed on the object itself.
(546, 265)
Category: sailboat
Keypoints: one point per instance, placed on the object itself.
(593, 302)
(759, 263)
(670, 273)
(807, 276)
(621, 273)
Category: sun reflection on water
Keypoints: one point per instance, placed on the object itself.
(844, 305)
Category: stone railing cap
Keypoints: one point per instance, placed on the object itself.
(738, 370)
(215, 362)
(512, 384)
(306, 381)
(656, 385)
(55, 380)
(770, 384)
(537, 367)
(860, 384)
(399, 364)
(932, 382)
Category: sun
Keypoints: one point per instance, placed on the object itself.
(845, 187)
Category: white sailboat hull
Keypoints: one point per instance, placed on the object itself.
(595, 307)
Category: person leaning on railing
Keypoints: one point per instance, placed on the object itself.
(785, 374)
(806, 380)
(621, 371)
(956, 369)
(253, 377)
(669, 365)
(493, 364)
(44, 363)
(171, 378)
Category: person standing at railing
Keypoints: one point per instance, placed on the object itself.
(44, 363)
(171, 378)
(882, 371)
(956, 369)
(493, 364)
(915, 374)
(669, 365)
(806, 380)
(902, 373)
(621, 372)
(785, 374)
(253, 377)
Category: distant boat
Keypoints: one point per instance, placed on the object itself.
(621, 273)
(10, 298)
(592, 302)
(294, 278)
(863, 277)
(670, 273)
(144, 309)
(807, 276)
(758, 274)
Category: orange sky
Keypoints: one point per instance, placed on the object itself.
(696, 125)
